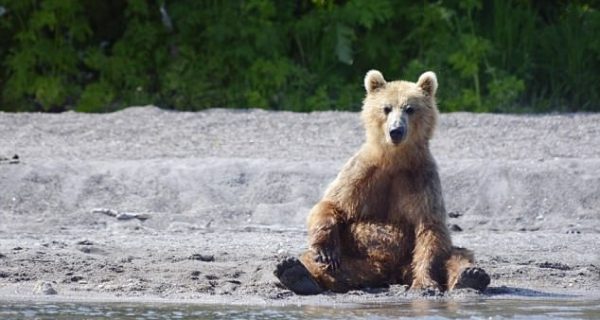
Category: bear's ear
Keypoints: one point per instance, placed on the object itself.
(428, 83)
(373, 81)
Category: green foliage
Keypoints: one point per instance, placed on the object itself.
(42, 62)
(303, 55)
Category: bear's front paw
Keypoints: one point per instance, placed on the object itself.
(329, 256)
(473, 277)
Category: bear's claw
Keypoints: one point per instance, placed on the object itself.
(294, 275)
(473, 277)
(329, 257)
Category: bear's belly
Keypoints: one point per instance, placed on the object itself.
(385, 243)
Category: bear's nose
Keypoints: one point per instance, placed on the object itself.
(397, 133)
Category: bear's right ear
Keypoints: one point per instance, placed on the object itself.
(374, 81)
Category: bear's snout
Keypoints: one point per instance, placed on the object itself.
(397, 133)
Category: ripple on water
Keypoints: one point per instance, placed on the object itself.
(423, 309)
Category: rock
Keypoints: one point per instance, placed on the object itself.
(122, 215)
(132, 215)
(202, 257)
(14, 159)
(554, 265)
(455, 228)
(454, 214)
(108, 212)
(195, 273)
(44, 287)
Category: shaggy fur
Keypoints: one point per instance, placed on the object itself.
(382, 220)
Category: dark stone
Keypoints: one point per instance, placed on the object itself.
(554, 265)
(202, 257)
(454, 214)
(85, 243)
(455, 228)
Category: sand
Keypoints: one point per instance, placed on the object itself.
(151, 205)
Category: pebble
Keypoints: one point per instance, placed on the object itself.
(202, 257)
(455, 228)
(85, 242)
(44, 287)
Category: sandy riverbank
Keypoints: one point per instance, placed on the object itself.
(225, 194)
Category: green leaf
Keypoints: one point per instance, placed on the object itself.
(49, 91)
(367, 12)
(96, 97)
(343, 45)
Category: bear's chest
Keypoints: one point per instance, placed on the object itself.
(397, 197)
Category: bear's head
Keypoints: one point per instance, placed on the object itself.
(399, 113)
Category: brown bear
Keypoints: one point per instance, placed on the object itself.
(382, 221)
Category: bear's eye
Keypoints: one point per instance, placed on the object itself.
(387, 109)
(409, 109)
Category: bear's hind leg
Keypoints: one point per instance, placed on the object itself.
(352, 273)
(463, 274)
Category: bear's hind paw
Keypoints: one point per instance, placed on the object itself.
(294, 275)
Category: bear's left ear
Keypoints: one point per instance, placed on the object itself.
(428, 83)
(373, 81)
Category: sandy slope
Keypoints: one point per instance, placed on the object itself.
(227, 193)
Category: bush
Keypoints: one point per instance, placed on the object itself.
(99, 55)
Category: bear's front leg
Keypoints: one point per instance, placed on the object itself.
(432, 249)
(323, 234)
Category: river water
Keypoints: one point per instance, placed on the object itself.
(422, 309)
